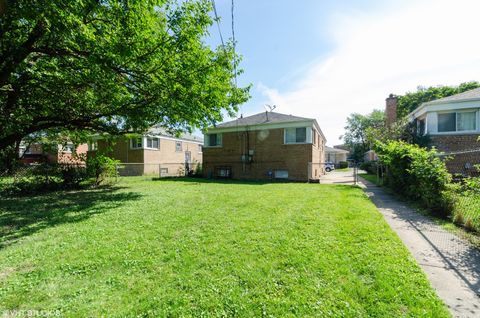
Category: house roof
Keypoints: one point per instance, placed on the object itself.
(160, 131)
(473, 94)
(262, 118)
(335, 150)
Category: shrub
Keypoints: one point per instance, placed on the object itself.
(369, 166)
(418, 174)
(102, 168)
(342, 165)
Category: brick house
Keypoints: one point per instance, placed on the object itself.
(155, 153)
(453, 124)
(63, 154)
(267, 145)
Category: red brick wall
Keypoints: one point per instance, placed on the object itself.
(459, 163)
(391, 110)
(269, 154)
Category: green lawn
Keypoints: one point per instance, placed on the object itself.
(371, 177)
(197, 248)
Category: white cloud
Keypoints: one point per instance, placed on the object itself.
(392, 50)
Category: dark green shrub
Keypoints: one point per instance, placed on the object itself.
(369, 166)
(342, 165)
(418, 174)
(102, 168)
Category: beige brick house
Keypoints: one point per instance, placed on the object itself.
(267, 145)
(155, 153)
(453, 124)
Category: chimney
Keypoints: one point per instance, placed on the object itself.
(391, 110)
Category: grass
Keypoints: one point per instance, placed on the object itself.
(199, 248)
(465, 219)
(371, 177)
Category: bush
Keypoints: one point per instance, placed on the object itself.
(102, 168)
(418, 174)
(342, 165)
(369, 166)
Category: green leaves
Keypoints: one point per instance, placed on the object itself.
(111, 66)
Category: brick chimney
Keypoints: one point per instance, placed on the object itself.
(391, 110)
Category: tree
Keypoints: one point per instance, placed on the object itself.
(111, 66)
(408, 102)
(356, 131)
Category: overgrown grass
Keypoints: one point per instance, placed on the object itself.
(199, 248)
(467, 211)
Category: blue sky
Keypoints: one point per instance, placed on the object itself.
(327, 59)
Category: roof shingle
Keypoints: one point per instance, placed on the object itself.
(262, 118)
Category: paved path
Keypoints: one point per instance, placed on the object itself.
(452, 265)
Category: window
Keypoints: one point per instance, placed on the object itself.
(459, 121)
(446, 122)
(68, 148)
(224, 172)
(136, 143)
(178, 146)
(200, 148)
(163, 172)
(281, 174)
(153, 143)
(295, 135)
(213, 140)
(92, 146)
(466, 121)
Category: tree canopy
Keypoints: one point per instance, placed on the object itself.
(408, 102)
(111, 66)
(356, 131)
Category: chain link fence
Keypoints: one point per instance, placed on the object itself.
(159, 170)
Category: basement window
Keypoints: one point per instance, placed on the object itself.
(224, 172)
(281, 174)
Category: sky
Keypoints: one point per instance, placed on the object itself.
(328, 59)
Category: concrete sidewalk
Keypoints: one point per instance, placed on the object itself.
(451, 264)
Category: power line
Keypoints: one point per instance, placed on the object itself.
(234, 51)
(218, 22)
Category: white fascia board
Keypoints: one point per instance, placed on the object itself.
(290, 124)
(446, 106)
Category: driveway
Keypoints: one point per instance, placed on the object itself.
(338, 177)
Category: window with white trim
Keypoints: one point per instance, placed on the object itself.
(200, 148)
(68, 148)
(178, 146)
(92, 146)
(457, 121)
(213, 140)
(153, 143)
(136, 143)
(296, 135)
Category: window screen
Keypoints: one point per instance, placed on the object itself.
(446, 122)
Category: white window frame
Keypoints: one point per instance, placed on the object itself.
(93, 146)
(135, 146)
(219, 144)
(177, 142)
(308, 136)
(456, 122)
(152, 138)
(200, 148)
(68, 148)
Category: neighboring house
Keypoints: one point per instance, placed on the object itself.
(370, 156)
(63, 154)
(267, 145)
(335, 155)
(157, 152)
(453, 124)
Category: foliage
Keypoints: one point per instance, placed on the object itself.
(111, 66)
(174, 248)
(342, 165)
(416, 173)
(402, 129)
(355, 136)
(369, 166)
(102, 168)
(45, 177)
(408, 102)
